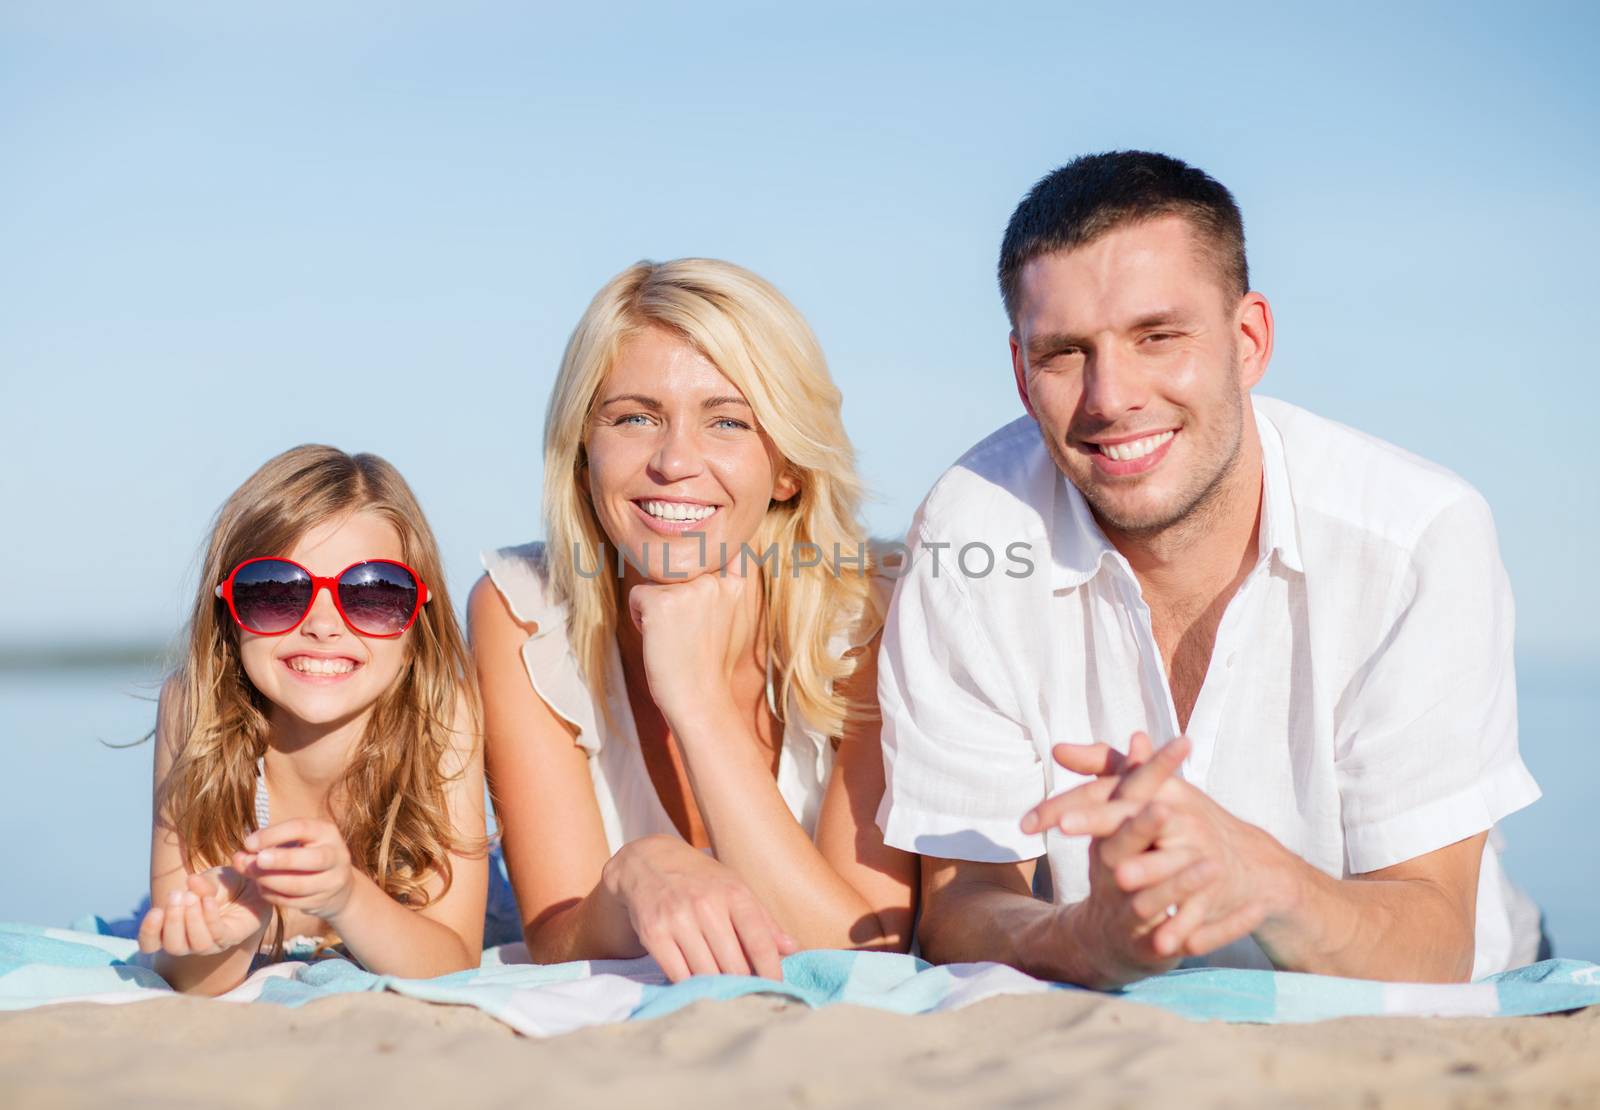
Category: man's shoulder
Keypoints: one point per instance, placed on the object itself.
(1001, 485)
(1344, 479)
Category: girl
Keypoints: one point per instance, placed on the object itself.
(682, 742)
(317, 772)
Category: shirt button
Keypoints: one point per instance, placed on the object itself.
(1232, 655)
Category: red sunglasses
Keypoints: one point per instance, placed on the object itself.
(271, 596)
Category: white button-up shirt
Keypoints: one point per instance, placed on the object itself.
(1360, 704)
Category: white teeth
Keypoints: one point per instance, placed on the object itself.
(1138, 449)
(305, 664)
(677, 510)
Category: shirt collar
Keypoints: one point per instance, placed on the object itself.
(1279, 533)
(1079, 549)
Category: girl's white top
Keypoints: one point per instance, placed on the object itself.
(299, 947)
(629, 805)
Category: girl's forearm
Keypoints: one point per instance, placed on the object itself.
(207, 975)
(753, 832)
(389, 939)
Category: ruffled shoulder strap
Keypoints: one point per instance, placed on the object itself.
(856, 631)
(861, 627)
(519, 574)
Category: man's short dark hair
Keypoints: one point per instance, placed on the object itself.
(1091, 195)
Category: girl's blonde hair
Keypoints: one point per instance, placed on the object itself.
(757, 339)
(393, 811)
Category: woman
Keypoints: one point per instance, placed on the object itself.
(681, 740)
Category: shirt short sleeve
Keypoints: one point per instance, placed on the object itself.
(1427, 753)
(960, 767)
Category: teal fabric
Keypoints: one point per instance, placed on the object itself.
(40, 966)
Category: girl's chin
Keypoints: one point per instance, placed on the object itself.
(324, 705)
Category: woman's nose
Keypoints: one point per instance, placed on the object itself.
(677, 455)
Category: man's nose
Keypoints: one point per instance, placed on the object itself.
(677, 454)
(1113, 384)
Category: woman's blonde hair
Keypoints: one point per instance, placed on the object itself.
(392, 804)
(759, 342)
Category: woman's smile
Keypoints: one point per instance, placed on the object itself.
(672, 517)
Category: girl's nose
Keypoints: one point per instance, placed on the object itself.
(324, 620)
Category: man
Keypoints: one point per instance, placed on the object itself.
(1315, 626)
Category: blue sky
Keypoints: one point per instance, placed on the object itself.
(226, 229)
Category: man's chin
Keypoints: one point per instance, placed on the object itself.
(1131, 515)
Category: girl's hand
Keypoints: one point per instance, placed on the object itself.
(694, 633)
(694, 915)
(302, 864)
(220, 910)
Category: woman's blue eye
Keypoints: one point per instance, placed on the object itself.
(728, 421)
(629, 418)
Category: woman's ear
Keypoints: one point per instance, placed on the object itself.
(787, 485)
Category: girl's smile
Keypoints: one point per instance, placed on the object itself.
(320, 669)
(323, 673)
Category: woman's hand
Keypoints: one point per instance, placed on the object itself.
(694, 915)
(220, 910)
(694, 633)
(301, 864)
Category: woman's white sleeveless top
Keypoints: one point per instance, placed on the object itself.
(629, 805)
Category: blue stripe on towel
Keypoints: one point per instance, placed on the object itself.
(40, 966)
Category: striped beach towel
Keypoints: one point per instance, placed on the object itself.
(41, 966)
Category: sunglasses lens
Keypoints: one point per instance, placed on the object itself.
(271, 596)
(378, 598)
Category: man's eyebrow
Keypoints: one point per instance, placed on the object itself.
(1166, 317)
(1049, 343)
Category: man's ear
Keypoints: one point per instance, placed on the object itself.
(1253, 332)
(1019, 371)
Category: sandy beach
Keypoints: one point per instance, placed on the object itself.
(366, 1050)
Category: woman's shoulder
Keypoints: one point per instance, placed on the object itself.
(519, 575)
(863, 617)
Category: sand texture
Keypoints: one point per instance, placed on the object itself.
(357, 1051)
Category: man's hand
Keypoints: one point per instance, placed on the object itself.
(1172, 874)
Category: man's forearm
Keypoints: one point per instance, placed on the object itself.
(992, 922)
(1399, 930)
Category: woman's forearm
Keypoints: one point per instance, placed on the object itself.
(753, 832)
(594, 927)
